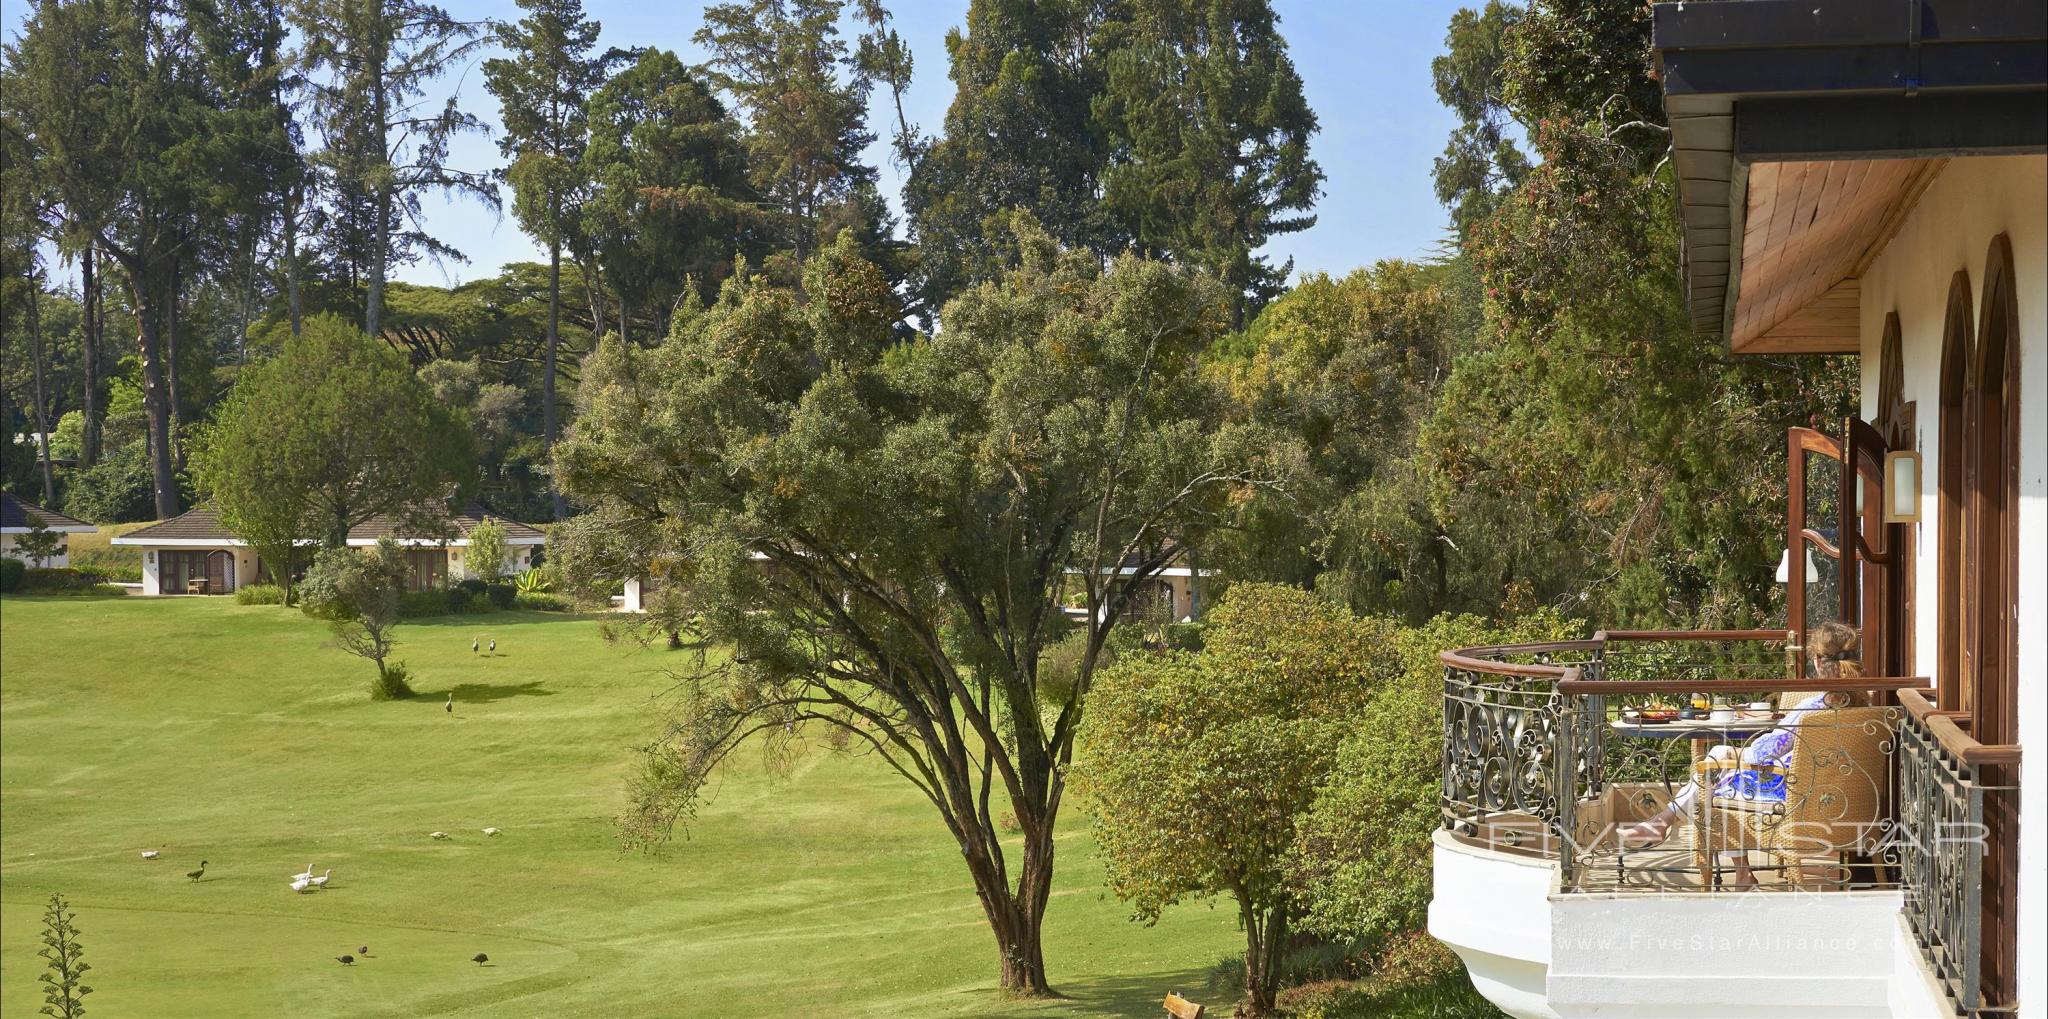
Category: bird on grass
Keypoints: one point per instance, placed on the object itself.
(492, 830)
(437, 834)
(321, 881)
(197, 874)
(494, 645)
(364, 951)
(479, 958)
(302, 885)
(472, 645)
(149, 854)
(346, 960)
(303, 875)
(450, 706)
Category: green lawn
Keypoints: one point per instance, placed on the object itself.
(228, 732)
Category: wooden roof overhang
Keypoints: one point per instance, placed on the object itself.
(1804, 131)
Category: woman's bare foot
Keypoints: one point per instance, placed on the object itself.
(1647, 834)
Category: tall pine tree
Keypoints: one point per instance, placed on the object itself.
(543, 86)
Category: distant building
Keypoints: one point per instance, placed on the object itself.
(15, 520)
(194, 553)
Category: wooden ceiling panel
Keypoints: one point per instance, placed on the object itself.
(1809, 228)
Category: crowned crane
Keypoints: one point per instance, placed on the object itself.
(494, 645)
(450, 706)
(472, 645)
(197, 874)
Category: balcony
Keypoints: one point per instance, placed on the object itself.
(1832, 877)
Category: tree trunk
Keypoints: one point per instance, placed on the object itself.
(42, 396)
(291, 256)
(1265, 938)
(89, 295)
(1016, 917)
(547, 385)
(170, 340)
(154, 396)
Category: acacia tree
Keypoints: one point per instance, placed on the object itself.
(335, 430)
(1237, 738)
(880, 529)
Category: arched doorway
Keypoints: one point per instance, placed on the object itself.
(1957, 344)
(1991, 586)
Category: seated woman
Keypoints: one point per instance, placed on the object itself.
(1831, 648)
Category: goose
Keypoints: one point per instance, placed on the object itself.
(437, 834)
(304, 884)
(308, 874)
(197, 874)
(346, 960)
(479, 958)
(321, 882)
(493, 830)
(149, 854)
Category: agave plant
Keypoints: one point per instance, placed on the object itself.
(532, 582)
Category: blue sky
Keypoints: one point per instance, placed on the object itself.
(1365, 67)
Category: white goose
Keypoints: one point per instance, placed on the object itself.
(321, 881)
(149, 854)
(303, 885)
(307, 876)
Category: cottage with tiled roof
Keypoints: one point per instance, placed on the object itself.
(194, 553)
(18, 517)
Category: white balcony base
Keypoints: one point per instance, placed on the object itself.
(1539, 954)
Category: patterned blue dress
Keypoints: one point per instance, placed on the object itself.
(1773, 747)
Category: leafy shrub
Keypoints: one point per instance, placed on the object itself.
(11, 571)
(535, 601)
(259, 594)
(1059, 667)
(392, 683)
(118, 489)
(1306, 963)
(458, 600)
(1184, 636)
(421, 604)
(1362, 851)
(57, 579)
(1449, 996)
(502, 595)
(487, 550)
(472, 586)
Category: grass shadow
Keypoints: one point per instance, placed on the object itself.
(1141, 993)
(484, 693)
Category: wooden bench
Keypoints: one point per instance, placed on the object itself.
(196, 585)
(1181, 1008)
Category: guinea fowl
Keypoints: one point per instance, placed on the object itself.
(480, 958)
(346, 960)
(364, 951)
(197, 874)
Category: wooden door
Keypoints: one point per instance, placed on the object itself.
(1835, 526)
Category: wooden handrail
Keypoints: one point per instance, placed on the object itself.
(1699, 635)
(1947, 729)
(1762, 684)
(1467, 658)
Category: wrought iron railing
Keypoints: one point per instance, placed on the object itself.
(1945, 806)
(1552, 749)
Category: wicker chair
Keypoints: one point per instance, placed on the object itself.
(1835, 782)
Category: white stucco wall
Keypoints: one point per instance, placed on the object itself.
(245, 564)
(58, 561)
(1971, 202)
